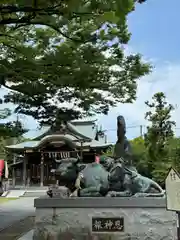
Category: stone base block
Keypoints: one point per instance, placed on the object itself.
(71, 219)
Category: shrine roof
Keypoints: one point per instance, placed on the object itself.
(27, 144)
(75, 142)
(79, 132)
(83, 128)
(37, 133)
(96, 144)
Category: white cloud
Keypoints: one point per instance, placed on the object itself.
(164, 78)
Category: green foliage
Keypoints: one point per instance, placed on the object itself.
(159, 118)
(159, 133)
(2, 148)
(58, 57)
(139, 152)
(10, 129)
(109, 152)
(159, 150)
(154, 154)
(5, 141)
(174, 153)
(162, 165)
(142, 161)
(10, 132)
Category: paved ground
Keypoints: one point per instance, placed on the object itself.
(15, 193)
(27, 236)
(16, 210)
(18, 230)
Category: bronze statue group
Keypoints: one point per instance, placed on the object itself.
(107, 176)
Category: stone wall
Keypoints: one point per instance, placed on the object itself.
(71, 219)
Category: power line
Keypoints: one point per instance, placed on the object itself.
(111, 129)
(142, 129)
(137, 126)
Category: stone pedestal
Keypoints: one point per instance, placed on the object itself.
(59, 191)
(71, 219)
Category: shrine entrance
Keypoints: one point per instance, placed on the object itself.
(70, 140)
(39, 164)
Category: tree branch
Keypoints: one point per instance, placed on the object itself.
(6, 35)
(54, 28)
(20, 92)
(50, 10)
(14, 9)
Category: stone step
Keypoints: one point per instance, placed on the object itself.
(28, 188)
(15, 193)
(5, 193)
(34, 194)
(25, 193)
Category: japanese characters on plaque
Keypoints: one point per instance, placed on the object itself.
(61, 155)
(107, 224)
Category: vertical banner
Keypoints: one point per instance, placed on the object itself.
(97, 159)
(1, 167)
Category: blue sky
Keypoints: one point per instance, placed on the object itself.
(154, 27)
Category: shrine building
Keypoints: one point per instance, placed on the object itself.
(34, 159)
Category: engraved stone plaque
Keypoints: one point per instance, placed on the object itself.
(113, 224)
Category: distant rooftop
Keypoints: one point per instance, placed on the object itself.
(34, 133)
(84, 120)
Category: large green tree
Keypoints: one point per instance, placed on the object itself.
(65, 59)
(159, 133)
